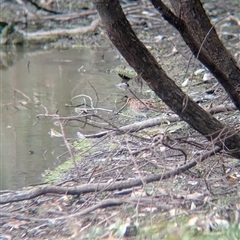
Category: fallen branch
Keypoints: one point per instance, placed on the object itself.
(155, 121)
(42, 7)
(102, 204)
(97, 187)
(65, 16)
(52, 34)
(221, 108)
(134, 127)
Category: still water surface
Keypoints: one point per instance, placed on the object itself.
(39, 81)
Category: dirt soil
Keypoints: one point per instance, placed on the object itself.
(164, 181)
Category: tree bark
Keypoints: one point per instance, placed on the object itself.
(199, 34)
(136, 54)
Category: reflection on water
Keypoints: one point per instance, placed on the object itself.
(40, 81)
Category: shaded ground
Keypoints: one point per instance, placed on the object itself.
(178, 202)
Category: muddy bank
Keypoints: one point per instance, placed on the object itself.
(57, 24)
(147, 173)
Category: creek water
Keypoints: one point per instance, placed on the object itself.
(36, 82)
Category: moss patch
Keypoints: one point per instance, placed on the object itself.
(82, 147)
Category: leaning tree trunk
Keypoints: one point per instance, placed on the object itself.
(136, 54)
(199, 34)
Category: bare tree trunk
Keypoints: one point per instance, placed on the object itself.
(199, 34)
(136, 54)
